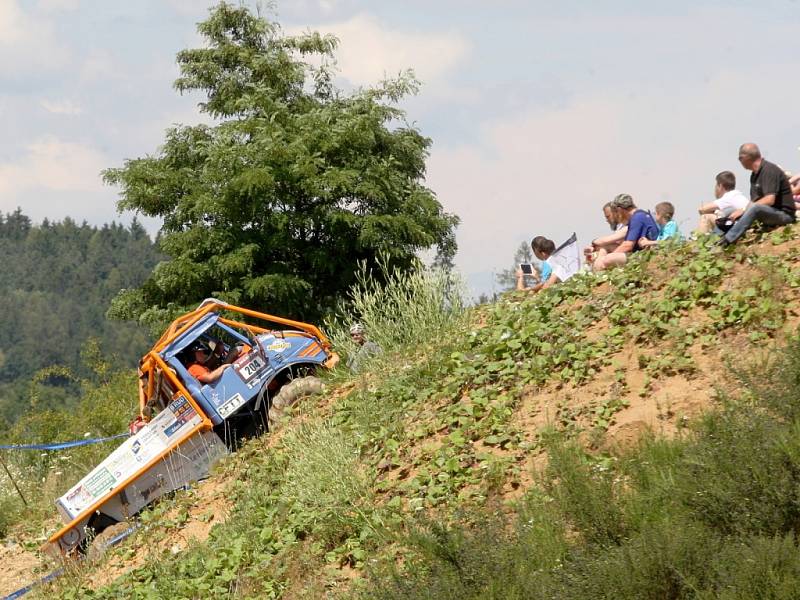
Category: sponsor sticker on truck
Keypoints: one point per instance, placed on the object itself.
(152, 440)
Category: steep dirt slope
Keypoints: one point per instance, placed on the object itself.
(460, 423)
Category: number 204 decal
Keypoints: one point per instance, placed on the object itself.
(249, 369)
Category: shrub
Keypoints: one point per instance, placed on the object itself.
(324, 478)
(400, 309)
(496, 558)
(585, 494)
(737, 477)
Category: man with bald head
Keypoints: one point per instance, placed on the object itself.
(771, 200)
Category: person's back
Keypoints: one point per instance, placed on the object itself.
(669, 231)
(642, 225)
(731, 201)
(667, 226)
(770, 179)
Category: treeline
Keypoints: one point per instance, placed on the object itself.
(56, 283)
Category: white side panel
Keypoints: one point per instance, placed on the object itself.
(158, 435)
(189, 462)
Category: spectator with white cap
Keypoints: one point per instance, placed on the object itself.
(367, 349)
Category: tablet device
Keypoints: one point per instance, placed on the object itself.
(526, 268)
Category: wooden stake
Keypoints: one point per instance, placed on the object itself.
(16, 487)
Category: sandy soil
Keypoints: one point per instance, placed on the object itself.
(17, 567)
(665, 407)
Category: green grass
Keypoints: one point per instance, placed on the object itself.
(713, 514)
(405, 313)
(402, 477)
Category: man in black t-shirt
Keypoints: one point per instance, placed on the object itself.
(771, 199)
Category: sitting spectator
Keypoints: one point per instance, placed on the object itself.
(367, 349)
(640, 225)
(667, 227)
(794, 183)
(771, 197)
(542, 249)
(728, 200)
(609, 242)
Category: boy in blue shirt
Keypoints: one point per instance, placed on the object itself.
(542, 248)
(667, 227)
(640, 225)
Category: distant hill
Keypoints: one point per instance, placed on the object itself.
(55, 286)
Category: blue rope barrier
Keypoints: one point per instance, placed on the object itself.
(58, 572)
(22, 591)
(62, 445)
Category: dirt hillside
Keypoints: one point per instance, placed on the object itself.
(606, 359)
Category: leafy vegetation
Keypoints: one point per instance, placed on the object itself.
(418, 473)
(55, 286)
(108, 399)
(713, 514)
(299, 182)
(415, 479)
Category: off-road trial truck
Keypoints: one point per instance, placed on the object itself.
(184, 426)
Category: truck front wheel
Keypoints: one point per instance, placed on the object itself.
(290, 393)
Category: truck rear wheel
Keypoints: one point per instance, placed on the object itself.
(290, 393)
(99, 544)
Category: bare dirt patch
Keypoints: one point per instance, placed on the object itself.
(17, 567)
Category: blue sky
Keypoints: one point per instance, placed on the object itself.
(539, 112)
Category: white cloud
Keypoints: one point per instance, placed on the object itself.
(49, 6)
(61, 107)
(53, 165)
(14, 24)
(548, 171)
(369, 52)
(306, 9)
(27, 43)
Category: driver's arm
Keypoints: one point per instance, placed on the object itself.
(212, 376)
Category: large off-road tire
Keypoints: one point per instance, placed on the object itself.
(99, 544)
(290, 393)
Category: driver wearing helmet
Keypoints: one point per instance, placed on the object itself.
(200, 355)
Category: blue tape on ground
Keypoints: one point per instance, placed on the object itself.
(62, 445)
(57, 573)
(22, 591)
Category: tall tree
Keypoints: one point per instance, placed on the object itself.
(275, 205)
